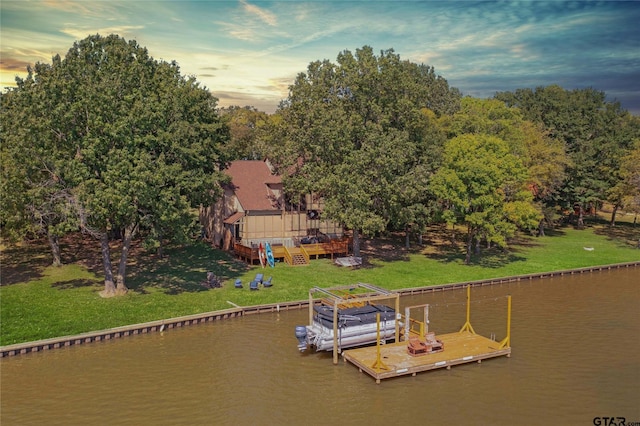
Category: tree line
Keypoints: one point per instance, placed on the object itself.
(118, 145)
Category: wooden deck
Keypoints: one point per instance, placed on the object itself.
(459, 348)
(331, 248)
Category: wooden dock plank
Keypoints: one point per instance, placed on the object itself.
(459, 348)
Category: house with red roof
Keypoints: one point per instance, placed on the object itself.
(254, 209)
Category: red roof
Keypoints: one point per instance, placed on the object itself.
(233, 218)
(250, 180)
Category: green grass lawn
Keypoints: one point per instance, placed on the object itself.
(39, 301)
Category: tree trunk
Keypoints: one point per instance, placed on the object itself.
(356, 243)
(109, 286)
(541, 228)
(406, 238)
(613, 214)
(129, 232)
(581, 217)
(160, 251)
(55, 249)
(478, 246)
(467, 258)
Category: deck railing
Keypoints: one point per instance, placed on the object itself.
(304, 251)
(331, 248)
(305, 254)
(248, 254)
(287, 256)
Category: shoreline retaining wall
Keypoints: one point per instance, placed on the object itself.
(167, 324)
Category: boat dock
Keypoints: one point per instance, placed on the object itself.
(394, 360)
(423, 351)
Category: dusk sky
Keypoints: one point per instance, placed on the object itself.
(249, 52)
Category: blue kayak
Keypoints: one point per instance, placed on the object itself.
(270, 260)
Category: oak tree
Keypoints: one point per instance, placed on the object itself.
(359, 131)
(482, 185)
(543, 156)
(136, 144)
(596, 133)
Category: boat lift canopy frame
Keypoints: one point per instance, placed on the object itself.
(343, 296)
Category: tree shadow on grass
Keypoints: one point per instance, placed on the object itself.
(447, 246)
(78, 283)
(488, 258)
(183, 269)
(496, 258)
(387, 248)
(24, 262)
(554, 232)
(626, 234)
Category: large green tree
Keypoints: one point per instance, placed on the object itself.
(596, 134)
(245, 125)
(544, 157)
(626, 192)
(36, 201)
(136, 144)
(359, 131)
(482, 185)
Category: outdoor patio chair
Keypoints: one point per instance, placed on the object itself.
(238, 283)
(259, 278)
(436, 344)
(417, 347)
(267, 283)
(253, 285)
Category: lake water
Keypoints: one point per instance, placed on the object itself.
(575, 356)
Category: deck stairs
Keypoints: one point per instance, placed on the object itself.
(296, 257)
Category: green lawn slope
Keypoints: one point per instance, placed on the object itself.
(39, 301)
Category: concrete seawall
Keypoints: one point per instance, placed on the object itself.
(167, 324)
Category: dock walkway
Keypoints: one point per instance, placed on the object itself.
(459, 348)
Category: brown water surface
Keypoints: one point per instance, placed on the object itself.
(576, 356)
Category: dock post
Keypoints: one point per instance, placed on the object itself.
(426, 319)
(311, 306)
(407, 322)
(397, 319)
(506, 342)
(378, 364)
(467, 325)
(335, 331)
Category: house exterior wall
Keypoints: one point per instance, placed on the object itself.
(280, 227)
(283, 228)
(313, 202)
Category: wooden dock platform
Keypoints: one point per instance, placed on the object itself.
(459, 348)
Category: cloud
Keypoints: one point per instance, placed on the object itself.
(224, 67)
(264, 15)
(11, 64)
(228, 98)
(95, 9)
(252, 50)
(248, 25)
(82, 33)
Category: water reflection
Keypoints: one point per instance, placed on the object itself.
(575, 356)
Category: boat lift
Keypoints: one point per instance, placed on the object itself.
(342, 297)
